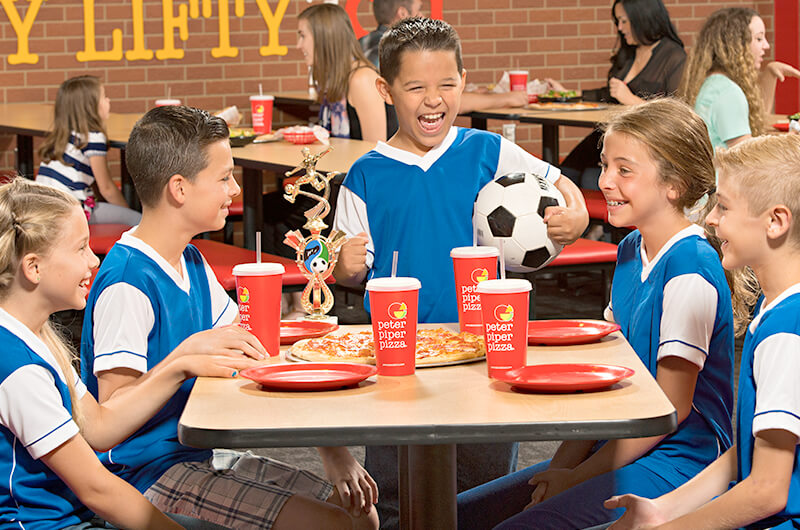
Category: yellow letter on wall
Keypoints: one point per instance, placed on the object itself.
(273, 21)
(224, 49)
(171, 22)
(90, 52)
(139, 52)
(23, 30)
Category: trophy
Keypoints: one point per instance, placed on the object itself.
(316, 254)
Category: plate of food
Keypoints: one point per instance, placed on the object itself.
(554, 105)
(435, 347)
(310, 376)
(241, 137)
(564, 332)
(567, 377)
(295, 330)
(559, 96)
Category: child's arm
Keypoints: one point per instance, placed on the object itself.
(357, 489)
(101, 491)
(571, 453)
(102, 176)
(472, 101)
(351, 268)
(565, 225)
(351, 218)
(369, 105)
(769, 76)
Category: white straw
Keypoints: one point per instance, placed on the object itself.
(260, 90)
(474, 235)
(394, 264)
(258, 247)
(502, 261)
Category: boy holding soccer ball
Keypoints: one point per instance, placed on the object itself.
(415, 194)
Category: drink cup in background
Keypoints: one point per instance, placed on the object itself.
(504, 305)
(258, 291)
(166, 102)
(261, 107)
(393, 308)
(472, 265)
(518, 79)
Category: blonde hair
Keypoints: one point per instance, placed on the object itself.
(335, 49)
(723, 46)
(677, 140)
(31, 219)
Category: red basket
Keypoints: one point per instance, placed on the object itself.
(303, 135)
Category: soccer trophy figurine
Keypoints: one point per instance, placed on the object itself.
(316, 254)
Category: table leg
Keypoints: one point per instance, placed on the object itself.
(432, 487)
(550, 143)
(403, 487)
(25, 155)
(253, 208)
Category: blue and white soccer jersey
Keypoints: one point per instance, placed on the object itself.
(769, 395)
(35, 419)
(73, 173)
(421, 206)
(679, 304)
(139, 310)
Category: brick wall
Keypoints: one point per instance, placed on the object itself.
(564, 39)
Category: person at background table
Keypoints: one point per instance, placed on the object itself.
(74, 152)
(154, 299)
(648, 61)
(49, 424)
(415, 194)
(759, 226)
(388, 12)
(726, 80)
(671, 297)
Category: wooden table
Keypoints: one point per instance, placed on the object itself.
(428, 413)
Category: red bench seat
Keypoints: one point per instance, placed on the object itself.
(585, 252)
(102, 237)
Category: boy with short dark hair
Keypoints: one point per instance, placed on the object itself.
(415, 193)
(758, 226)
(154, 298)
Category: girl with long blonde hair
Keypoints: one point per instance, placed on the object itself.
(724, 79)
(49, 424)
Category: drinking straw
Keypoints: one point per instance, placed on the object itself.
(258, 247)
(502, 261)
(394, 264)
(474, 235)
(260, 90)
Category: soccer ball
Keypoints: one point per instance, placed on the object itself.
(511, 208)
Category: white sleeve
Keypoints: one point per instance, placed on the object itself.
(608, 313)
(776, 363)
(123, 319)
(687, 318)
(223, 309)
(31, 408)
(351, 218)
(513, 159)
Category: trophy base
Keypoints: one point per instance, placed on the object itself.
(330, 319)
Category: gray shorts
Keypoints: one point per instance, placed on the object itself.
(234, 489)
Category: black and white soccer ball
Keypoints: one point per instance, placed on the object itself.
(511, 208)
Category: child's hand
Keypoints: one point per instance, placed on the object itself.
(213, 365)
(565, 225)
(554, 85)
(781, 70)
(228, 340)
(550, 483)
(357, 490)
(352, 262)
(639, 512)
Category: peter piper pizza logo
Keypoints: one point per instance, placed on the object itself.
(244, 295)
(479, 275)
(398, 310)
(259, 109)
(504, 313)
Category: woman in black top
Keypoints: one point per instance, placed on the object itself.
(648, 62)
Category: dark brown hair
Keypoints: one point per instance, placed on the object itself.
(416, 34)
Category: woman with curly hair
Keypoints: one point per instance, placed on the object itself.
(724, 79)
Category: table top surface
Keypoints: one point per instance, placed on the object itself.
(450, 404)
(285, 155)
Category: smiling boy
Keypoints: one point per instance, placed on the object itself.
(415, 193)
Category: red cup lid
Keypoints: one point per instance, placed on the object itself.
(474, 252)
(398, 283)
(509, 286)
(261, 96)
(258, 269)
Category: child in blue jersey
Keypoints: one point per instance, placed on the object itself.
(671, 298)
(155, 298)
(415, 193)
(74, 152)
(756, 483)
(49, 475)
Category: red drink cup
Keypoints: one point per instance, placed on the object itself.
(261, 107)
(166, 102)
(504, 304)
(518, 79)
(258, 291)
(393, 307)
(472, 265)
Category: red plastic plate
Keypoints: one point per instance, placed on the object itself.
(294, 330)
(565, 377)
(309, 376)
(781, 126)
(559, 332)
